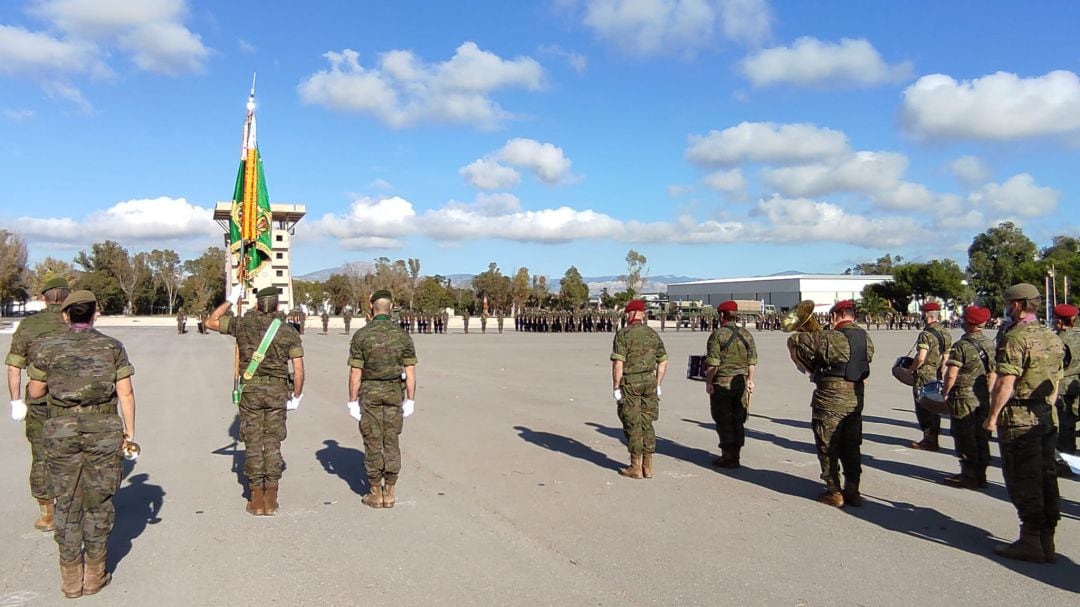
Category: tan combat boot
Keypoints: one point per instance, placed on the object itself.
(1028, 548)
(646, 465)
(634, 469)
(256, 506)
(388, 498)
(1047, 540)
(832, 496)
(374, 497)
(270, 505)
(71, 578)
(45, 522)
(94, 575)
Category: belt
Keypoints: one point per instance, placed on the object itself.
(1026, 402)
(364, 379)
(638, 373)
(267, 379)
(58, 411)
(834, 381)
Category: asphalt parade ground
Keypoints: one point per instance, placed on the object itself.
(509, 493)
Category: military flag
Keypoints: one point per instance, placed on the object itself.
(250, 223)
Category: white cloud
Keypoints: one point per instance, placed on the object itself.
(647, 27)
(385, 218)
(906, 196)
(489, 174)
(165, 48)
(1019, 195)
(26, 53)
(676, 190)
(142, 221)
(402, 91)
(802, 220)
(999, 106)
(381, 185)
(766, 142)
(577, 62)
(863, 172)
(61, 90)
(19, 115)
(730, 182)
(811, 62)
(970, 171)
(246, 47)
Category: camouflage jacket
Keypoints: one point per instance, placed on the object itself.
(249, 330)
(639, 347)
(973, 354)
(1033, 354)
(382, 349)
(1070, 381)
(931, 339)
(731, 350)
(81, 367)
(25, 341)
(820, 350)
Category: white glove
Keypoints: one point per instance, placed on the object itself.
(294, 403)
(407, 407)
(659, 391)
(18, 410)
(616, 394)
(235, 294)
(354, 409)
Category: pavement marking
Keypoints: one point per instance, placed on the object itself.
(17, 598)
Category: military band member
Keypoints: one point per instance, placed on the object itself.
(932, 344)
(382, 392)
(638, 363)
(1029, 363)
(1068, 403)
(969, 379)
(731, 357)
(85, 375)
(24, 343)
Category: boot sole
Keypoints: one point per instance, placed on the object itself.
(108, 578)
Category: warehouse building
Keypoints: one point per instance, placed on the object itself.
(783, 291)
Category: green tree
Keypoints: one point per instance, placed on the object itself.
(432, 295)
(340, 291)
(309, 293)
(996, 260)
(1058, 261)
(873, 304)
(204, 285)
(497, 288)
(883, 266)
(941, 278)
(49, 268)
(166, 270)
(635, 267)
(573, 292)
(14, 273)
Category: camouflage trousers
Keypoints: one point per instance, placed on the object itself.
(84, 462)
(262, 429)
(638, 409)
(35, 424)
(1068, 406)
(929, 422)
(728, 407)
(972, 441)
(1028, 438)
(838, 437)
(381, 423)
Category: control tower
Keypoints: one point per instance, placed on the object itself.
(279, 272)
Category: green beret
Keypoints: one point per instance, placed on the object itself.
(57, 282)
(381, 294)
(78, 297)
(1021, 291)
(267, 292)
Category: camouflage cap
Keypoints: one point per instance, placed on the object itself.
(78, 297)
(1021, 291)
(266, 292)
(381, 294)
(56, 282)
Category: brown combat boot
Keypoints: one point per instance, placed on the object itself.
(926, 444)
(71, 578)
(256, 506)
(832, 497)
(1028, 548)
(634, 469)
(646, 465)
(270, 505)
(45, 522)
(374, 497)
(731, 457)
(721, 461)
(94, 575)
(960, 482)
(851, 494)
(1047, 540)
(388, 498)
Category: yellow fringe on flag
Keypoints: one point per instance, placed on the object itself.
(251, 196)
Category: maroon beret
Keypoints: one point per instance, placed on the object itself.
(931, 306)
(975, 315)
(839, 306)
(728, 306)
(636, 305)
(1065, 310)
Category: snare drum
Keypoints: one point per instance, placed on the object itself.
(932, 398)
(900, 371)
(696, 368)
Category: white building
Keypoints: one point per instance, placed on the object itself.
(783, 291)
(279, 273)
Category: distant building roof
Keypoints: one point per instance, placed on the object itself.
(784, 277)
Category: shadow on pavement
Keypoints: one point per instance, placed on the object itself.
(568, 446)
(345, 463)
(138, 504)
(233, 450)
(664, 446)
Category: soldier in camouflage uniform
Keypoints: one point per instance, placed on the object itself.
(465, 319)
(325, 321)
(838, 361)
(639, 361)
(1068, 403)
(84, 375)
(731, 356)
(34, 410)
(969, 378)
(181, 322)
(382, 392)
(1029, 363)
(265, 397)
(932, 344)
(347, 315)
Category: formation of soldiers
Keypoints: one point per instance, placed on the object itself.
(423, 322)
(542, 320)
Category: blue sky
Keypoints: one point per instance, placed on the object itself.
(718, 137)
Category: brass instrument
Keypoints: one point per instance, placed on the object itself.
(801, 318)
